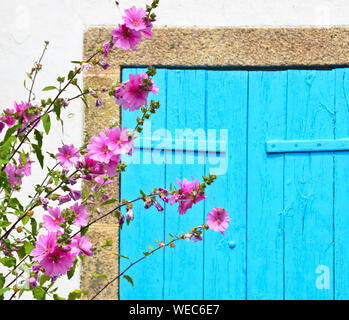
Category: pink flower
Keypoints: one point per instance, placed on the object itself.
(126, 38)
(133, 93)
(106, 49)
(134, 18)
(93, 166)
(53, 259)
(100, 150)
(9, 120)
(52, 221)
(187, 195)
(218, 220)
(80, 245)
(14, 174)
(27, 168)
(119, 140)
(68, 156)
(101, 181)
(112, 165)
(20, 108)
(82, 214)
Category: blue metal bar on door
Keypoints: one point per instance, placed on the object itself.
(323, 145)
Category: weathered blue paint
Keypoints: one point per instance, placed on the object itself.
(288, 237)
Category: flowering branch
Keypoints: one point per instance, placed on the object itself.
(162, 245)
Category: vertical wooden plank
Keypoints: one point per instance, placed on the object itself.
(225, 256)
(266, 120)
(148, 225)
(309, 187)
(341, 191)
(185, 110)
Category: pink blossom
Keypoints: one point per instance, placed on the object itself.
(106, 49)
(101, 149)
(148, 29)
(112, 165)
(27, 168)
(82, 214)
(80, 245)
(53, 259)
(8, 119)
(21, 107)
(63, 199)
(68, 156)
(126, 38)
(93, 166)
(52, 221)
(133, 93)
(119, 140)
(101, 181)
(218, 220)
(186, 196)
(14, 174)
(196, 238)
(134, 18)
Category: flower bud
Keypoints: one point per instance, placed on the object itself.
(129, 215)
(30, 213)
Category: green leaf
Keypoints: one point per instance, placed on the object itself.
(8, 261)
(71, 72)
(44, 278)
(39, 293)
(57, 110)
(46, 121)
(21, 292)
(5, 224)
(38, 137)
(56, 297)
(49, 88)
(76, 294)
(99, 275)
(121, 256)
(39, 155)
(71, 272)
(34, 226)
(129, 279)
(6, 146)
(25, 220)
(21, 252)
(84, 101)
(2, 291)
(2, 280)
(28, 247)
(109, 202)
(14, 204)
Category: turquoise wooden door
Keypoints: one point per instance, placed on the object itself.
(280, 141)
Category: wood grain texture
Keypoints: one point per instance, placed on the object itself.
(147, 225)
(184, 264)
(266, 120)
(341, 188)
(225, 256)
(288, 209)
(309, 185)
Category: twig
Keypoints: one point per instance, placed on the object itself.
(132, 264)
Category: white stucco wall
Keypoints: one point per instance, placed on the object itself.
(26, 24)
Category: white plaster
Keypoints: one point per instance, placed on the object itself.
(25, 25)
